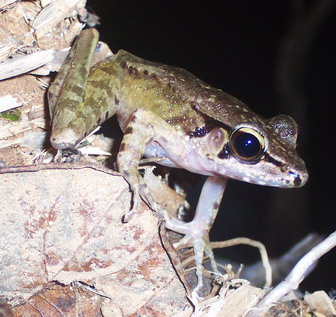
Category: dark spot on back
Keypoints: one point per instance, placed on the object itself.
(215, 205)
(116, 100)
(172, 87)
(132, 71)
(107, 115)
(123, 65)
(145, 72)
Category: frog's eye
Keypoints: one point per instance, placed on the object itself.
(247, 144)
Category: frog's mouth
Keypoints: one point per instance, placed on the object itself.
(265, 173)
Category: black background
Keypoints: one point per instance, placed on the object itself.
(237, 46)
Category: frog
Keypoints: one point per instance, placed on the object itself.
(174, 118)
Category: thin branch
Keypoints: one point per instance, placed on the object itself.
(296, 276)
(253, 243)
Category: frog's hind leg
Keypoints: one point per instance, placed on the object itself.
(81, 98)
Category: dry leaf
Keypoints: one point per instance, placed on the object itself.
(321, 302)
(64, 225)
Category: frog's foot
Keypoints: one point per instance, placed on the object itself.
(148, 198)
(136, 200)
(141, 192)
(196, 237)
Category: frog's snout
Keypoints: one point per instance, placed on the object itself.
(299, 180)
(298, 176)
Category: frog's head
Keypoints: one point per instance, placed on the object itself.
(261, 151)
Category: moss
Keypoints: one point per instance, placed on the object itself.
(12, 115)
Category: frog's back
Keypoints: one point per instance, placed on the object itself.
(176, 95)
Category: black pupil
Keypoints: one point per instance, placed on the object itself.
(247, 145)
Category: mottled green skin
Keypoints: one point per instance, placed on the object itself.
(122, 84)
(65, 95)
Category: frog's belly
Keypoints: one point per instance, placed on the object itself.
(156, 151)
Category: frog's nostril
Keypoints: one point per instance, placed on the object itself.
(297, 181)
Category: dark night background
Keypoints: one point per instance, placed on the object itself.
(246, 48)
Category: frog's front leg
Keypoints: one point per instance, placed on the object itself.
(144, 127)
(197, 231)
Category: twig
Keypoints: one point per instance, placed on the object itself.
(253, 243)
(22, 65)
(296, 276)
